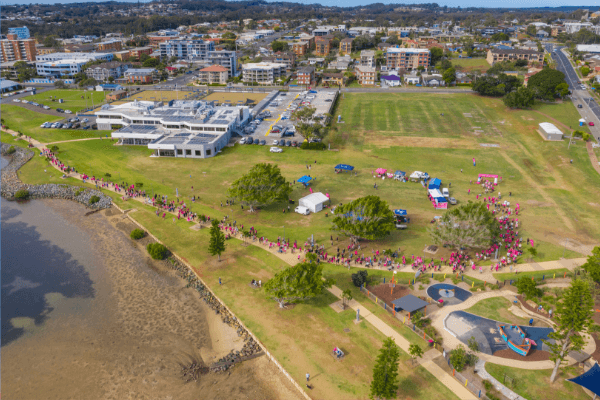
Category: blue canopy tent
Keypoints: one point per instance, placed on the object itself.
(400, 173)
(304, 180)
(344, 167)
(400, 212)
(589, 380)
(435, 183)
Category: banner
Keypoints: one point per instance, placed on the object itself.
(487, 176)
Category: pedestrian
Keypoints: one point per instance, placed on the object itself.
(307, 376)
(461, 170)
(220, 281)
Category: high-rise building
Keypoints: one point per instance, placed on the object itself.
(186, 49)
(14, 49)
(408, 59)
(21, 32)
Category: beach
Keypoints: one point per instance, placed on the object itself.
(124, 328)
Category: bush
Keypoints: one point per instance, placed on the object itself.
(137, 234)
(313, 146)
(54, 148)
(22, 194)
(11, 150)
(139, 185)
(360, 278)
(487, 384)
(473, 344)
(94, 199)
(424, 279)
(157, 251)
(80, 191)
(107, 175)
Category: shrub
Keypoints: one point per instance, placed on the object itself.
(455, 279)
(11, 150)
(419, 320)
(421, 287)
(360, 278)
(107, 175)
(80, 191)
(157, 251)
(313, 146)
(22, 194)
(487, 384)
(425, 280)
(94, 199)
(137, 234)
(139, 185)
(54, 148)
(459, 358)
(472, 343)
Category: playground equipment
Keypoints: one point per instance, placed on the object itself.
(522, 349)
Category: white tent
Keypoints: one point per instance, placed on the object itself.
(314, 202)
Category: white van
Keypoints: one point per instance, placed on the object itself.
(446, 192)
(302, 210)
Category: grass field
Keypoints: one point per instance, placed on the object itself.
(496, 308)
(72, 99)
(27, 121)
(223, 97)
(162, 95)
(535, 384)
(471, 64)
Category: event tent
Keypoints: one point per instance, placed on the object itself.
(589, 380)
(400, 173)
(435, 183)
(400, 212)
(304, 179)
(440, 201)
(314, 202)
(345, 167)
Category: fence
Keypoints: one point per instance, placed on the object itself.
(184, 262)
(475, 388)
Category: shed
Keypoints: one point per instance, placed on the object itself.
(550, 131)
(314, 202)
(409, 303)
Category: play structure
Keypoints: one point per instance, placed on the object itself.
(449, 294)
(337, 353)
(521, 349)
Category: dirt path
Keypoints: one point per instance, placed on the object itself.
(540, 190)
(593, 157)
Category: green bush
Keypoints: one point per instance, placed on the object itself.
(22, 194)
(79, 192)
(313, 146)
(487, 384)
(360, 278)
(137, 234)
(424, 279)
(139, 185)
(157, 251)
(94, 199)
(11, 150)
(107, 175)
(54, 148)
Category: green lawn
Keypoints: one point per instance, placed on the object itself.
(28, 122)
(537, 275)
(471, 64)
(72, 99)
(535, 384)
(496, 308)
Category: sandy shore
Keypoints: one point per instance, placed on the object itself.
(141, 324)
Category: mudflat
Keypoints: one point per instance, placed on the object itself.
(129, 343)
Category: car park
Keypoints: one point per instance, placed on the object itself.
(250, 140)
(16, 100)
(302, 210)
(276, 150)
(68, 112)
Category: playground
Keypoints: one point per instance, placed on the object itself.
(450, 294)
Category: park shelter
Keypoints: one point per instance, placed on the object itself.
(550, 131)
(435, 183)
(314, 201)
(344, 167)
(589, 380)
(410, 304)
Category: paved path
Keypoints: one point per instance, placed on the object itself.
(509, 394)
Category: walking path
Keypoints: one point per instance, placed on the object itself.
(506, 392)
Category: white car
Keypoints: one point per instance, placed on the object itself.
(276, 150)
(46, 108)
(85, 120)
(16, 100)
(243, 141)
(302, 210)
(446, 192)
(68, 112)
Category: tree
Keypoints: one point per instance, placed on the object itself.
(521, 63)
(298, 283)
(521, 98)
(309, 124)
(459, 358)
(469, 225)
(545, 82)
(528, 287)
(346, 297)
(111, 79)
(415, 351)
(262, 185)
(563, 90)
(473, 344)
(500, 37)
(385, 372)
(360, 278)
(592, 266)
(573, 319)
(436, 55)
(445, 64)
(216, 245)
(367, 218)
(585, 70)
(60, 84)
(277, 45)
(157, 251)
(151, 63)
(496, 86)
(449, 76)
(531, 30)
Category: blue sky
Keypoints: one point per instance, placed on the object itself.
(352, 3)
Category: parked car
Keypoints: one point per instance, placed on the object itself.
(446, 192)
(591, 124)
(294, 144)
(68, 112)
(76, 125)
(276, 142)
(579, 106)
(60, 110)
(288, 143)
(85, 120)
(275, 150)
(452, 201)
(276, 129)
(243, 141)
(16, 100)
(249, 141)
(302, 210)
(263, 142)
(86, 127)
(46, 108)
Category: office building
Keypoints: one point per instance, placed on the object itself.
(21, 32)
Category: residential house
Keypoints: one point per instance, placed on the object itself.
(542, 34)
(333, 79)
(139, 75)
(109, 45)
(300, 48)
(341, 63)
(367, 58)
(318, 61)
(289, 59)
(263, 73)
(390, 80)
(497, 55)
(461, 77)
(213, 74)
(346, 46)
(366, 75)
(116, 95)
(408, 59)
(433, 80)
(306, 76)
(322, 46)
(102, 72)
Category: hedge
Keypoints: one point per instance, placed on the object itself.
(157, 251)
(137, 234)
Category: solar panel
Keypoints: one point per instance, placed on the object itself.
(199, 141)
(205, 135)
(173, 140)
(182, 134)
(221, 122)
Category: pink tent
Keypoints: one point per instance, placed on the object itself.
(381, 171)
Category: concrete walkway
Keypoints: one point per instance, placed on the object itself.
(506, 392)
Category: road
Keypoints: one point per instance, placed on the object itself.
(591, 110)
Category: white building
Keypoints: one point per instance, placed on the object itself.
(589, 48)
(550, 131)
(60, 68)
(263, 73)
(71, 56)
(573, 27)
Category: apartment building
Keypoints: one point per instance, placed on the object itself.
(138, 51)
(8, 68)
(61, 68)
(69, 56)
(109, 45)
(186, 49)
(300, 48)
(139, 75)
(102, 72)
(306, 76)
(367, 58)
(39, 50)
(345, 46)
(408, 59)
(496, 55)
(213, 74)
(366, 76)
(289, 59)
(332, 79)
(574, 27)
(322, 46)
(263, 73)
(22, 32)
(556, 30)
(14, 49)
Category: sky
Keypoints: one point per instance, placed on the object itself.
(353, 3)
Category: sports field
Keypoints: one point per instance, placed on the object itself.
(74, 100)
(234, 98)
(163, 95)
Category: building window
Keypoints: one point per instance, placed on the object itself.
(208, 152)
(198, 154)
(188, 152)
(179, 152)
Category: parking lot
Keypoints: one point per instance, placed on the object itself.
(275, 123)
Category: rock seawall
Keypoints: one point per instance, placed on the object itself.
(11, 183)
